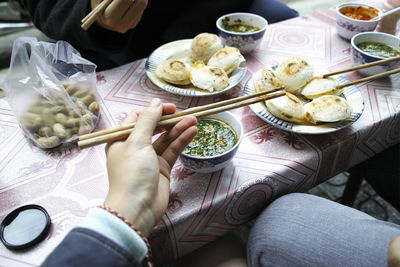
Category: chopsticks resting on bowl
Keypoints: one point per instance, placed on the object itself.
(94, 14)
(122, 132)
(379, 62)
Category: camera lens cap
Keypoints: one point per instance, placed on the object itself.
(25, 227)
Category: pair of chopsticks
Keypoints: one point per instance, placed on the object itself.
(94, 14)
(121, 133)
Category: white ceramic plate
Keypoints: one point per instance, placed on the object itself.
(351, 94)
(181, 49)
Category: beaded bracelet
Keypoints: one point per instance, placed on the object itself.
(149, 255)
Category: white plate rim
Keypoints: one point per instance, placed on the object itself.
(351, 93)
(166, 51)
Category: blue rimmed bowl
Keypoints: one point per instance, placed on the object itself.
(360, 57)
(246, 42)
(218, 162)
(347, 27)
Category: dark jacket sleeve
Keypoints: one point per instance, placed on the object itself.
(61, 20)
(84, 247)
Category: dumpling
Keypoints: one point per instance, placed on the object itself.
(327, 108)
(227, 58)
(287, 107)
(294, 73)
(204, 45)
(265, 79)
(208, 78)
(321, 86)
(174, 71)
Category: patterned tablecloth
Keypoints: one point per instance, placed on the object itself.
(270, 162)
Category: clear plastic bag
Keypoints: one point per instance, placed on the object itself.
(52, 91)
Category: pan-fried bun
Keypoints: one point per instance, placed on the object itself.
(265, 79)
(174, 71)
(204, 45)
(294, 73)
(228, 58)
(287, 107)
(327, 108)
(319, 86)
(208, 78)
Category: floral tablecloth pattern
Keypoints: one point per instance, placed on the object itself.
(270, 162)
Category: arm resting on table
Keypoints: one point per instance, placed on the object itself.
(104, 240)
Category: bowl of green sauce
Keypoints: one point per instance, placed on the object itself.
(215, 144)
(242, 30)
(368, 47)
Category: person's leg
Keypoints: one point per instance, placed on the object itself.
(382, 172)
(272, 10)
(305, 230)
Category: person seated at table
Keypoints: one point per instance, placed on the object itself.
(138, 173)
(305, 230)
(132, 29)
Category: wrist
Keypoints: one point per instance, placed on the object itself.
(134, 211)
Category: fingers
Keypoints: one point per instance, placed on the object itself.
(134, 14)
(146, 124)
(168, 137)
(121, 15)
(176, 147)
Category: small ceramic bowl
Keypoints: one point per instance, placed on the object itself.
(215, 163)
(246, 42)
(348, 27)
(360, 57)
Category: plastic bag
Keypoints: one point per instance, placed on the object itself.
(52, 91)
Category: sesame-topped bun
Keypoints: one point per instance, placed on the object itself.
(208, 78)
(227, 58)
(174, 71)
(287, 107)
(319, 86)
(204, 45)
(294, 73)
(327, 108)
(265, 79)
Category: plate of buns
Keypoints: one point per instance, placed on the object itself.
(200, 66)
(311, 105)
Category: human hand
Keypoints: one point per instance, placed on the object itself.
(120, 15)
(394, 253)
(139, 171)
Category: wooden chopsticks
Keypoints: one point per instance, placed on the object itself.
(123, 132)
(94, 14)
(383, 61)
(369, 78)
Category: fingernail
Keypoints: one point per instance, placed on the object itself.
(155, 102)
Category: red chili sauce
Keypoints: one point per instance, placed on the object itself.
(359, 12)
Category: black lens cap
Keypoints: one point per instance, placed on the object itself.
(25, 227)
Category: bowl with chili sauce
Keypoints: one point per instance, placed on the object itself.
(244, 31)
(353, 18)
(367, 47)
(215, 144)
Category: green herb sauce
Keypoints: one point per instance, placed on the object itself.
(379, 49)
(238, 26)
(214, 137)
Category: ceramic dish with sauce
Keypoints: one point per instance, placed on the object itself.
(353, 18)
(244, 31)
(215, 144)
(368, 47)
